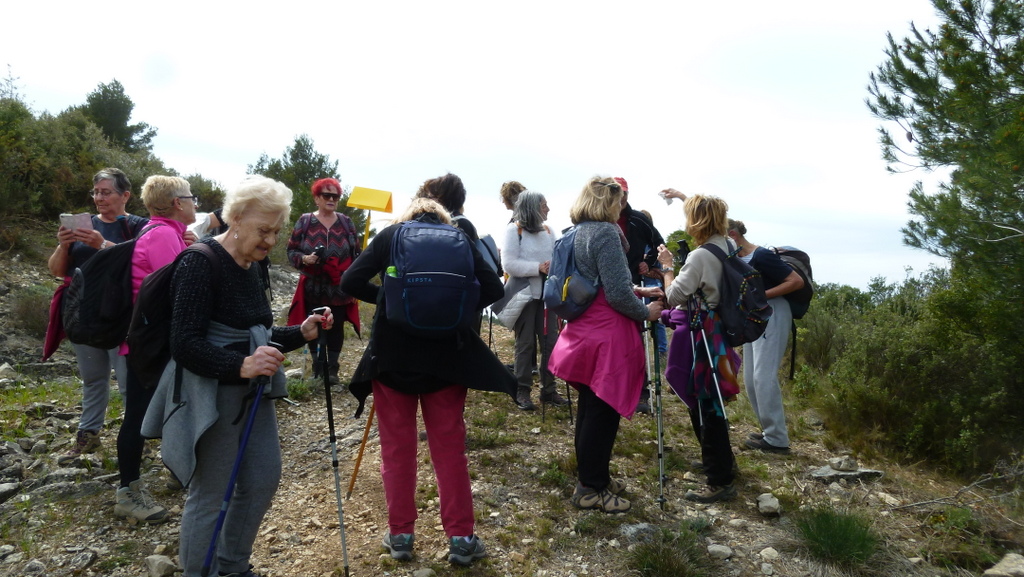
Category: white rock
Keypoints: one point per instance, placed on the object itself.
(1012, 565)
(8, 372)
(160, 566)
(768, 505)
(720, 552)
(767, 569)
(769, 554)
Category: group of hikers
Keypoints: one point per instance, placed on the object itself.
(223, 341)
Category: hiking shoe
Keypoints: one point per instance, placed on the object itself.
(247, 573)
(643, 407)
(616, 486)
(85, 442)
(712, 494)
(464, 550)
(765, 446)
(524, 402)
(756, 436)
(606, 501)
(400, 546)
(554, 399)
(134, 501)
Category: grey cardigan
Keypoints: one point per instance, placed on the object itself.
(182, 421)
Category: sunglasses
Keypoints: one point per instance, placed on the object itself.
(330, 196)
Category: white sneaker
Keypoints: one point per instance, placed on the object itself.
(134, 501)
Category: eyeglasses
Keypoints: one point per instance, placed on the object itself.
(102, 193)
(193, 198)
(330, 196)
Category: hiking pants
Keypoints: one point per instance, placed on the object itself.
(535, 324)
(446, 437)
(713, 434)
(761, 360)
(94, 367)
(258, 478)
(597, 424)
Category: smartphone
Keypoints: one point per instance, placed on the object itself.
(319, 310)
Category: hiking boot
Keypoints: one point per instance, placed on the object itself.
(173, 484)
(247, 573)
(606, 501)
(400, 546)
(765, 446)
(524, 402)
(756, 436)
(134, 501)
(554, 398)
(712, 494)
(85, 442)
(464, 550)
(616, 486)
(644, 407)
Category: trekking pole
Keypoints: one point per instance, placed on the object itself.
(261, 382)
(359, 455)
(334, 443)
(661, 429)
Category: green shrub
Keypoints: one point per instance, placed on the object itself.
(299, 390)
(31, 308)
(670, 555)
(838, 538)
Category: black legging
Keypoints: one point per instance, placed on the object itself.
(597, 424)
(130, 443)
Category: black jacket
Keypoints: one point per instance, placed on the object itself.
(412, 364)
(643, 241)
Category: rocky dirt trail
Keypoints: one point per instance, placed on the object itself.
(58, 521)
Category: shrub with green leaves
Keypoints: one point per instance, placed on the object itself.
(835, 537)
(671, 554)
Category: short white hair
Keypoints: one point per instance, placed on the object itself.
(260, 193)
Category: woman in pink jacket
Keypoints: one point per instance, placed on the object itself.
(172, 207)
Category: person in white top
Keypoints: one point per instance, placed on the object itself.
(526, 258)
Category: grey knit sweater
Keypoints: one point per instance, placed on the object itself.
(600, 254)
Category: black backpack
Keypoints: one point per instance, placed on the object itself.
(97, 306)
(742, 305)
(430, 289)
(149, 334)
(568, 293)
(799, 300)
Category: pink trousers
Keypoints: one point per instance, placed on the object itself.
(446, 437)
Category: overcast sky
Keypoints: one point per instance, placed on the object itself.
(759, 103)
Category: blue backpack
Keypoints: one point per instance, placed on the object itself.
(568, 293)
(430, 289)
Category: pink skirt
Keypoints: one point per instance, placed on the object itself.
(602, 349)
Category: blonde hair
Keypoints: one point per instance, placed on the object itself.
(600, 200)
(424, 205)
(257, 193)
(159, 192)
(705, 216)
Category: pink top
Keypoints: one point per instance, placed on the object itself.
(159, 246)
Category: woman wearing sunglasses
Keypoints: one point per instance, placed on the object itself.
(323, 245)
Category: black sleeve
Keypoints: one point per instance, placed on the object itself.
(358, 279)
(654, 241)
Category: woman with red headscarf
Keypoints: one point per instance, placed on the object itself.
(322, 246)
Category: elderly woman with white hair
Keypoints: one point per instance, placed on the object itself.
(222, 337)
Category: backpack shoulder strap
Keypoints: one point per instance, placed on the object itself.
(715, 250)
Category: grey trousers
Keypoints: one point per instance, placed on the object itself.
(529, 329)
(94, 367)
(258, 478)
(761, 360)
